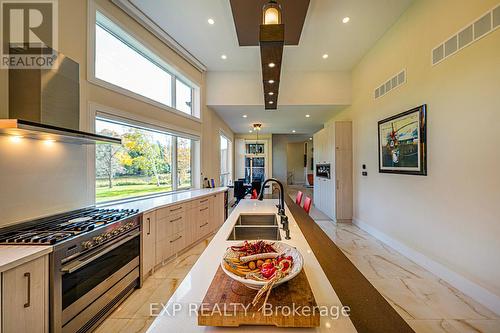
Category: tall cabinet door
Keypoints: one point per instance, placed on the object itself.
(25, 297)
(343, 170)
(148, 247)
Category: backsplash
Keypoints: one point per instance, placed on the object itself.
(40, 178)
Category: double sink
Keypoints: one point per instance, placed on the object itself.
(249, 226)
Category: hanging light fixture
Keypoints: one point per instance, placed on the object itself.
(272, 40)
(271, 13)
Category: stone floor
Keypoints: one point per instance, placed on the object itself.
(133, 315)
(426, 302)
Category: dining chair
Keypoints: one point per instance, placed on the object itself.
(307, 204)
(298, 197)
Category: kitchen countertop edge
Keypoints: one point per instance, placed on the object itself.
(147, 205)
(15, 255)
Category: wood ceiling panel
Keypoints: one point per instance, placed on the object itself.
(247, 15)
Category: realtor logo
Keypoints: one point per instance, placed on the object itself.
(28, 33)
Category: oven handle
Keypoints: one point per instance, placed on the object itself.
(80, 263)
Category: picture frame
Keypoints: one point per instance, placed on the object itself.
(402, 143)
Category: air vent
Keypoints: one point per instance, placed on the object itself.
(496, 17)
(391, 83)
(487, 23)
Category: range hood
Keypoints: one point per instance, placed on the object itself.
(44, 104)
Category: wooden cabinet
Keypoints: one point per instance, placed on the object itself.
(169, 230)
(217, 211)
(148, 241)
(333, 145)
(25, 303)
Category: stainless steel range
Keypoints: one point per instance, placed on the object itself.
(94, 264)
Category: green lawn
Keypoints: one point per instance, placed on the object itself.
(126, 187)
(126, 191)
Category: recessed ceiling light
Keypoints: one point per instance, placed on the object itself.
(244, 116)
(308, 115)
(271, 81)
(293, 131)
(310, 139)
(325, 56)
(271, 102)
(211, 21)
(272, 64)
(223, 57)
(271, 93)
(346, 19)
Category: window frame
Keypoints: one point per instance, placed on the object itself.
(229, 159)
(111, 117)
(154, 58)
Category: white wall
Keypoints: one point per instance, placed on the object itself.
(36, 181)
(452, 216)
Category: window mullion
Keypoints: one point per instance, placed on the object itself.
(174, 164)
(174, 92)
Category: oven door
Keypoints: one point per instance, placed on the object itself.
(90, 281)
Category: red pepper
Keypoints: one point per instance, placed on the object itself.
(267, 270)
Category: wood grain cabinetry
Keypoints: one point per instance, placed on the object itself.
(25, 302)
(148, 241)
(333, 145)
(169, 230)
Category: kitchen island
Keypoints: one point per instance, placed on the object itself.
(180, 315)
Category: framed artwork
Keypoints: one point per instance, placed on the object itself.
(402, 146)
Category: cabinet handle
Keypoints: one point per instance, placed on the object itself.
(177, 219)
(203, 209)
(149, 226)
(337, 183)
(201, 226)
(202, 201)
(173, 210)
(28, 303)
(175, 240)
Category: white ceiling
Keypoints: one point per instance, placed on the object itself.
(282, 121)
(323, 32)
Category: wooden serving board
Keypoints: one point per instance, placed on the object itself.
(226, 299)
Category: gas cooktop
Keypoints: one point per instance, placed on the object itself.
(53, 230)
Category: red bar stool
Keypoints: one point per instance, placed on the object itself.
(307, 204)
(298, 198)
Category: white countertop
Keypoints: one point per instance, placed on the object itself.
(147, 204)
(193, 288)
(15, 255)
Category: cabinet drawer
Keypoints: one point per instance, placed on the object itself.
(203, 212)
(176, 242)
(170, 225)
(170, 210)
(198, 202)
(203, 228)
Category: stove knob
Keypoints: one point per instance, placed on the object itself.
(87, 245)
(98, 239)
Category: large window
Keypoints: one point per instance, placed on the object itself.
(148, 162)
(226, 161)
(125, 63)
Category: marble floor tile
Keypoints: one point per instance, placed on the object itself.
(133, 315)
(455, 326)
